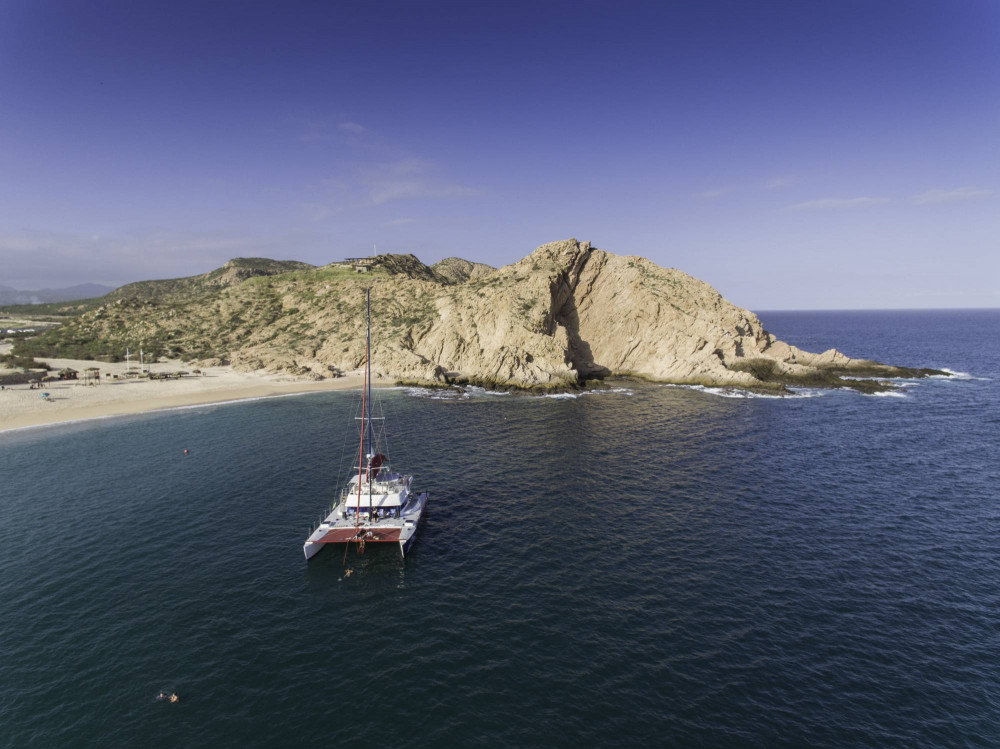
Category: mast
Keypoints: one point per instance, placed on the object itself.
(365, 460)
(368, 388)
(361, 465)
(361, 447)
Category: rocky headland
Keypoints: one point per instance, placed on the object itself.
(564, 315)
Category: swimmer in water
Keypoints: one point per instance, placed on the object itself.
(348, 573)
(174, 697)
(161, 696)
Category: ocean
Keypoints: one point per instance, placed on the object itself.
(646, 566)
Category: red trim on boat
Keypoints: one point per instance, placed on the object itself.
(370, 535)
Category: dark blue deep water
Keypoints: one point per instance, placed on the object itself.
(663, 568)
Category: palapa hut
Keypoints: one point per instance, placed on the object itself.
(68, 373)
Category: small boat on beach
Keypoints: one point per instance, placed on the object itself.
(377, 505)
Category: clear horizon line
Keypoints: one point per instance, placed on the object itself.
(874, 309)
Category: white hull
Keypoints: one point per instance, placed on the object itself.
(312, 549)
(412, 524)
(337, 529)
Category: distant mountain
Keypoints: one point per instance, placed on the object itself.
(10, 295)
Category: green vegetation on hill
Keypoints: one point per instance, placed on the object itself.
(22, 362)
(142, 313)
(192, 288)
(248, 302)
(72, 341)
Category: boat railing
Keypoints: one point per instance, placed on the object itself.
(378, 488)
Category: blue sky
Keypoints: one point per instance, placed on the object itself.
(793, 154)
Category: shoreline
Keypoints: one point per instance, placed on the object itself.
(222, 396)
(72, 401)
(100, 417)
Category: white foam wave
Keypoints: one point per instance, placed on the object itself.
(229, 402)
(452, 393)
(731, 392)
(886, 394)
(805, 393)
(436, 394)
(474, 391)
(953, 375)
(574, 396)
(950, 377)
(609, 391)
(881, 379)
(903, 382)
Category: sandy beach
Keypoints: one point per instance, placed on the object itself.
(72, 400)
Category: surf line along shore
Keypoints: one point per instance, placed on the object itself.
(22, 407)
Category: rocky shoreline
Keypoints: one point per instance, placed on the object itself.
(876, 379)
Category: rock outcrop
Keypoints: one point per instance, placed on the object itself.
(564, 314)
(457, 270)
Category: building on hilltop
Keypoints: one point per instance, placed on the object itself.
(360, 264)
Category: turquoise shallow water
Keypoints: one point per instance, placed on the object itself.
(657, 565)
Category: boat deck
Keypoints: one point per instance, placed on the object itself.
(370, 533)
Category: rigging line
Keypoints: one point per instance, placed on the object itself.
(386, 433)
(343, 458)
(383, 435)
(368, 375)
(368, 390)
(342, 463)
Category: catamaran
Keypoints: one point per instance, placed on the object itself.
(377, 505)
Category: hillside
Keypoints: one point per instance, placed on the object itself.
(175, 290)
(565, 313)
